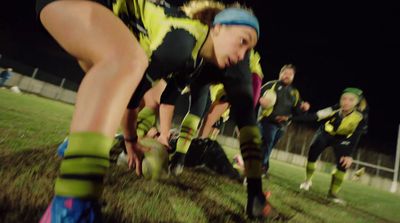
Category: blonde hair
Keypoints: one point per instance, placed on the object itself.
(240, 6)
(203, 10)
(206, 10)
(287, 66)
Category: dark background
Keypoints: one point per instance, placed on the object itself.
(333, 44)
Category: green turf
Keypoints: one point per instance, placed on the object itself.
(29, 121)
(28, 167)
(364, 203)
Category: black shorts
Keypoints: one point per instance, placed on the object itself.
(40, 4)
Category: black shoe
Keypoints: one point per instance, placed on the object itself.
(176, 164)
(258, 206)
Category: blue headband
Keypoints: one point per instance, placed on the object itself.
(237, 16)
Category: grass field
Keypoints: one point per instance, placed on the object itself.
(31, 128)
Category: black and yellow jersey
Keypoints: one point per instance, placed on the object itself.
(345, 126)
(217, 91)
(171, 40)
(340, 125)
(237, 84)
(337, 124)
(287, 103)
(344, 130)
(238, 87)
(175, 86)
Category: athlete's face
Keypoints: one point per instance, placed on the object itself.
(231, 42)
(287, 76)
(348, 101)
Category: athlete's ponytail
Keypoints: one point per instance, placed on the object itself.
(203, 10)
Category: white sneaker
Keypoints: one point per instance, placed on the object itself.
(306, 185)
(122, 159)
(245, 181)
(338, 201)
(335, 199)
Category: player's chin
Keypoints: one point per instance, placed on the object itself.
(222, 64)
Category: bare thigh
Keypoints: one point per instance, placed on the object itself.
(89, 31)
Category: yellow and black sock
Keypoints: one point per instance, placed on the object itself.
(145, 121)
(250, 141)
(84, 165)
(337, 181)
(310, 169)
(213, 134)
(188, 131)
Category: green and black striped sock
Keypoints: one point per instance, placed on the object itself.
(84, 165)
(250, 140)
(145, 121)
(310, 169)
(337, 181)
(188, 131)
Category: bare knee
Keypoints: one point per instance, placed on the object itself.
(127, 66)
(134, 60)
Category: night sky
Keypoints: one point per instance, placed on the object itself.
(333, 44)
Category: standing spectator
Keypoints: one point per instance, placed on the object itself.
(279, 101)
